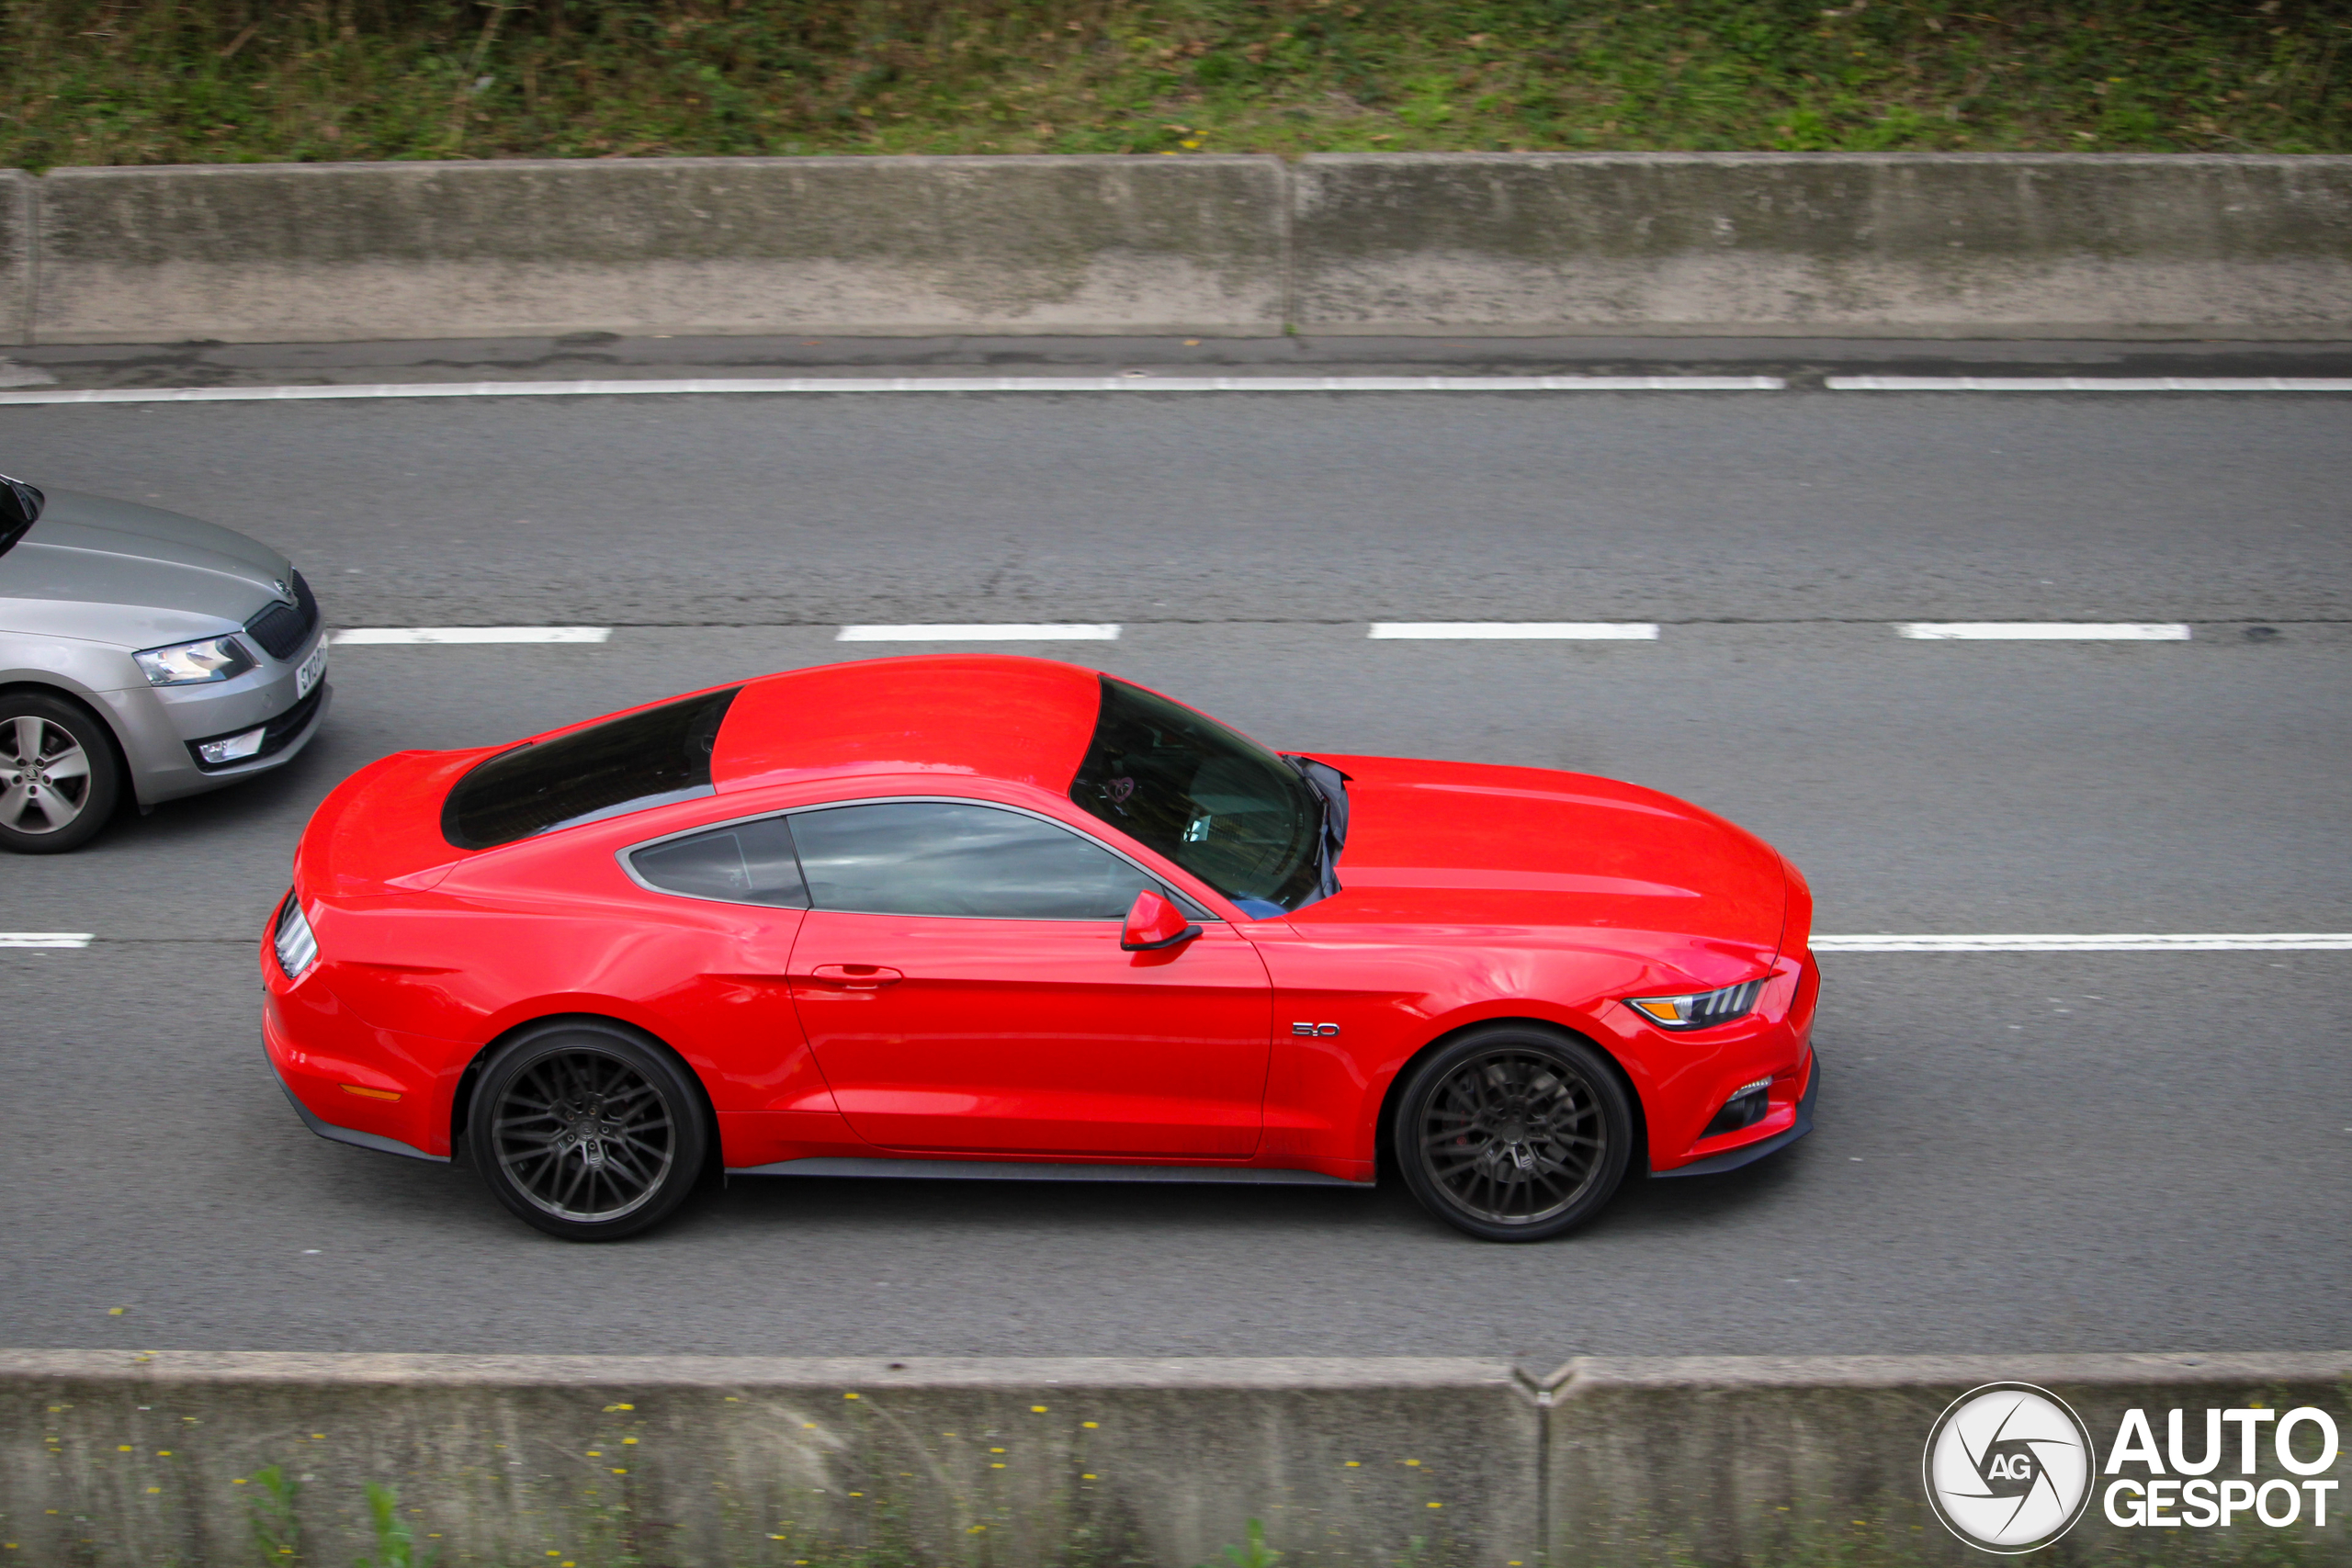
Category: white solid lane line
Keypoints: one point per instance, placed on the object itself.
(2210, 941)
(350, 635)
(1597, 631)
(2089, 383)
(987, 632)
(45, 939)
(2045, 631)
(1133, 382)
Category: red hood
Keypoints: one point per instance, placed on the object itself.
(1464, 844)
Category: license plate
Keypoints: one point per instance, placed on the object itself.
(312, 668)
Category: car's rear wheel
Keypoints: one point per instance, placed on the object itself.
(587, 1131)
(1513, 1132)
(58, 779)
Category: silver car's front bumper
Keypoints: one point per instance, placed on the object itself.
(157, 724)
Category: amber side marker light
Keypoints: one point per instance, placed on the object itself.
(365, 1093)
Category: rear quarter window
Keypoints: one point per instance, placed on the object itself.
(625, 764)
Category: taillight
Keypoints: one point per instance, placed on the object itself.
(296, 948)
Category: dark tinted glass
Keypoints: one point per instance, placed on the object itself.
(922, 857)
(623, 764)
(1224, 807)
(750, 862)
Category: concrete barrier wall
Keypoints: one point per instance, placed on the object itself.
(1840, 244)
(107, 1458)
(719, 1463)
(343, 252)
(16, 256)
(1846, 244)
(1806, 1461)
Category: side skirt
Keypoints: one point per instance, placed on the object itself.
(1038, 1170)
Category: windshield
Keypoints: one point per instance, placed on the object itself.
(1225, 808)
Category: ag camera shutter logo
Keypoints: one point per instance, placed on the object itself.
(2008, 1467)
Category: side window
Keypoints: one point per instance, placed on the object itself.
(924, 857)
(746, 862)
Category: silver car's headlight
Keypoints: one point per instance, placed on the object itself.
(189, 663)
(1701, 1010)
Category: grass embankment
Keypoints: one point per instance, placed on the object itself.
(217, 81)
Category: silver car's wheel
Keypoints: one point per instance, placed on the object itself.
(58, 775)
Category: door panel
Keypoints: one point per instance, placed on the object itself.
(1024, 1037)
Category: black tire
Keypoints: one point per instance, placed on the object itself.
(1513, 1132)
(587, 1130)
(60, 781)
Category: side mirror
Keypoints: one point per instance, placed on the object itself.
(20, 506)
(1153, 923)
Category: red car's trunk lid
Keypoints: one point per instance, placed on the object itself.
(380, 830)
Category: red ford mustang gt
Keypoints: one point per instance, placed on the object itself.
(993, 916)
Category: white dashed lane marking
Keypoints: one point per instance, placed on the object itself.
(987, 632)
(1419, 631)
(362, 636)
(1597, 631)
(2045, 631)
(2208, 942)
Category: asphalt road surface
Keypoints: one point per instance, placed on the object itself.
(2020, 1152)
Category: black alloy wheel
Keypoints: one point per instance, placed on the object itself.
(587, 1131)
(59, 778)
(1513, 1132)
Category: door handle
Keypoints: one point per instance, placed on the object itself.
(855, 976)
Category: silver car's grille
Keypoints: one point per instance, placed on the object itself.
(283, 628)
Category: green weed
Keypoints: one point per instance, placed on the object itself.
(277, 1530)
(225, 81)
(395, 1548)
(1253, 1551)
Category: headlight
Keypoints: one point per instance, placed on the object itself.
(188, 663)
(1702, 1010)
(296, 948)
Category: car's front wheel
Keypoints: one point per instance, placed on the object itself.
(58, 779)
(587, 1131)
(1513, 1132)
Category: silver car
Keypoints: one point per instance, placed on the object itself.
(140, 651)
